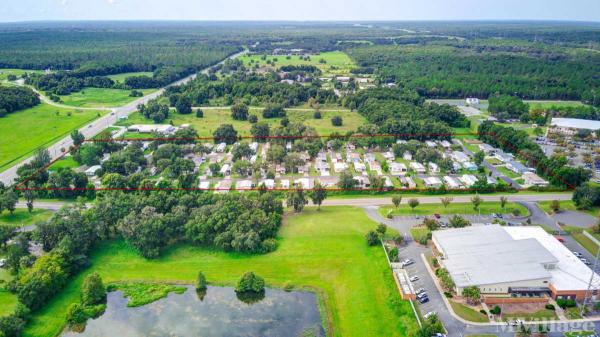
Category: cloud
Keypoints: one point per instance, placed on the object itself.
(111, 2)
(64, 2)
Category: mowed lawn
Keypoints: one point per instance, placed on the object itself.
(323, 250)
(100, 97)
(336, 62)
(21, 217)
(121, 77)
(453, 208)
(213, 118)
(24, 131)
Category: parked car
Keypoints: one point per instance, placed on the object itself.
(578, 254)
(437, 216)
(423, 299)
(494, 215)
(421, 295)
(414, 278)
(407, 262)
(438, 335)
(585, 261)
(420, 291)
(559, 238)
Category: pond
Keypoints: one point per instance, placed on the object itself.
(218, 313)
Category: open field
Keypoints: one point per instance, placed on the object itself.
(336, 62)
(454, 208)
(323, 250)
(65, 162)
(549, 104)
(21, 217)
(100, 97)
(26, 130)
(17, 72)
(121, 77)
(213, 118)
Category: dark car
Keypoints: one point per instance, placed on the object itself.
(423, 299)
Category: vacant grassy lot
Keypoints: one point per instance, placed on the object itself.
(468, 313)
(26, 130)
(453, 208)
(17, 72)
(65, 162)
(21, 217)
(213, 118)
(336, 62)
(323, 250)
(121, 77)
(100, 97)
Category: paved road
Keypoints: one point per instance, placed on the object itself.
(98, 125)
(493, 169)
(436, 199)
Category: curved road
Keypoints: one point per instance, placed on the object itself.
(90, 130)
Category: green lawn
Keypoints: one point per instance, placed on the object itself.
(323, 250)
(7, 300)
(18, 72)
(453, 208)
(65, 162)
(121, 77)
(585, 242)
(573, 313)
(468, 313)
(100, 97)
(22, 217)
(213, 118)
(579, 333)
(543, 314)
(336, 62)
(418, 233)
(568, 205)
(507, 172)
(26, 130)
(549, 104)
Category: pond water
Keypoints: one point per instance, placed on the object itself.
(218, 313)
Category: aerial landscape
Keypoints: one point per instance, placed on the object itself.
(308, 169)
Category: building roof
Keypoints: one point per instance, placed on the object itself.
(575, 123)
(570, 273)
(485, 255)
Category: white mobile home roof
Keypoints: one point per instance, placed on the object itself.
(575, 123)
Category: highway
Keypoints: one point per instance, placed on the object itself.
(92, 129)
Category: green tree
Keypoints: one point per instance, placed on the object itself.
(346, 181)
(446, 201)
(413, 203)
(250, 283)
(381, 229)
(318, 194)
(77, 137)
(297, 199)
(431, 224)
(200, 281)
(6, 232)
(239, 111)
(336, 121)
(184, 105)
(372, 238)
(92, 290)
(472, 294)
(479, 157)
(476, 201)
(225, 133)
(503, 202)
(396, 200)
(555, 206)
(457, 221)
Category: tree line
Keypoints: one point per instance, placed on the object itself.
(16, 98)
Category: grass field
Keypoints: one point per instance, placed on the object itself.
(453, 208)
(213, 118)
(7, 300)
(468, 313)
(568, 205)
(65, 162)
(21, 217)
(323, 250)
(549, 104)
(419, 233)
(100, 97)
(17, 72)
(336, 62)
(26, 130)
(121, 77)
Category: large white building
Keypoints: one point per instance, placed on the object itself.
(512, 260)
(570, 125)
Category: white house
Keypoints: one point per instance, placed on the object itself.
(90, 172)
(433, 167)
(532, 179)
(397, 168)
(468, 179)
(359, 167)
(432, 182)
(451, 182)
(339, 167)
(417, 167)
(472, 101)
(407, 156)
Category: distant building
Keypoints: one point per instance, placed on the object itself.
(472, 101)
(90, 172)
(150, 128)
(571, 125)
(432, 182)
(517, 167)
(532, 179)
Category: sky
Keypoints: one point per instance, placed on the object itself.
(299, 10)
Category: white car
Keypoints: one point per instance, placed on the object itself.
(578, 254)
(420, 291)
(414, 278)
(2, 262)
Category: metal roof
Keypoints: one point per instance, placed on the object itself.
(576, 123)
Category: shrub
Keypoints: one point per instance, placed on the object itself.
(250, 283)
(75, 314)
(11, 326)
(199, 113)
(252, 119)
(393, 253)
(336, 121)
(496, 310)
(317, 115)
(269, 245)
(92, 290)
(566, 303)
(288, 286)
(483, 312)
(372, 238)
(448, 294)
(390, 214)
(200, 281)
(550, 306)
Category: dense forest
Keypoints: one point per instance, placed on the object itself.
(483, 68)
(252, 89)
(16, 98)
